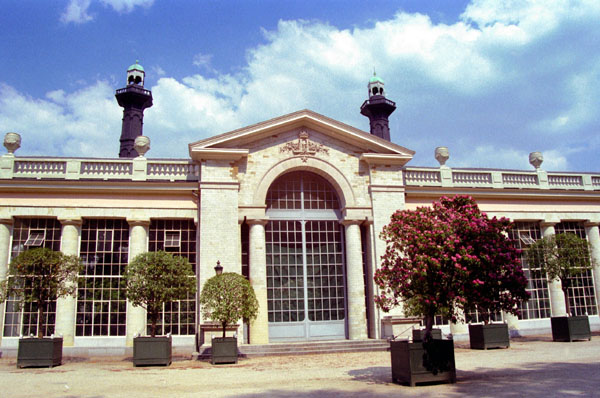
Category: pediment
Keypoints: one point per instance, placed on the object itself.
(234, 144)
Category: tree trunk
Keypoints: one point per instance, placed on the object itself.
(40, 322)
(567, 305)
(224, 324)
(428, 327)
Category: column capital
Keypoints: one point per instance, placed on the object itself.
(76, 221)
(6, 220)
(591, 223)
(138, 222)
(347, 222)
(257, 221)
(545, 223)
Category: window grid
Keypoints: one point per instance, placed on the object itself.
(582, 298)
(24, 321)
(298, 190)
(101, 303)
(523, 235)
(285, 287)
(177, 317)
(325, 271)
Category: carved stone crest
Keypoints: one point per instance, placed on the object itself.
(304, 147)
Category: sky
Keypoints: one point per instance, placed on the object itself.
(491, 80)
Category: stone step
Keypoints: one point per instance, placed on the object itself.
(305, 348)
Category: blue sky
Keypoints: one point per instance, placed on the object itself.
(492, 80)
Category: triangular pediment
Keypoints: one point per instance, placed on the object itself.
(232, 144)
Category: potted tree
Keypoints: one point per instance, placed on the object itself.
(562, 257)
(226, 298)
(39, 276)
(428, 263)
(153, 279)
(498, 282)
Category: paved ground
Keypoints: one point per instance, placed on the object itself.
(533, 367)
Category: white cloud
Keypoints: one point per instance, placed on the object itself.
(77, 10)
(127, 5)
(507, 79)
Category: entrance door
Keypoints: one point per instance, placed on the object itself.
(305, 260)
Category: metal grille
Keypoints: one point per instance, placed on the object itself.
(301, 190)
(523, 235)
(325, 271)
(285, 281)
(101, 304)
(177, 317)
(582, 298)
(24, 320)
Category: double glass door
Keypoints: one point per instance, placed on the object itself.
(305, 280)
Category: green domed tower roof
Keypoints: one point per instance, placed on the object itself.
(136, 66)
(376, 78)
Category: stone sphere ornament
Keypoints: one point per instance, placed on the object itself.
(536, 159)
(442, 155)
(141, 145)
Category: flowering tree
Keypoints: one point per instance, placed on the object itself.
(228, 297)
(561, 256)
(447, 257)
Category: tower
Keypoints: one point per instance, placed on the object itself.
(378, 108)
(133, 99)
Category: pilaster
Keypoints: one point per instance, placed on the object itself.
(557, 296)
(259, 329)
(357, 317)
(136, 316)
(66, 306)
(593, 233)
(5, 232)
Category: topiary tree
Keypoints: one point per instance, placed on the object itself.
(561, 256)
(155, 278)
(447, 257)
(228, 297)
(39, 276)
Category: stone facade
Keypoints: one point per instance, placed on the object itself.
(224, 186)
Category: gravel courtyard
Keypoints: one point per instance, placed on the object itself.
(530, 368)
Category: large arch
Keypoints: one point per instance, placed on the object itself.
(324, 169)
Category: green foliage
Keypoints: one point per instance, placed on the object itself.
(561, 256)
(155, 278)
(228, 297)
(39, 276)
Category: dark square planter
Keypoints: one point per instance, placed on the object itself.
(224, 350)
(418, 362)
(418, 334)
(34, 351)
(570, 328)
(152, 351)
(493, 335)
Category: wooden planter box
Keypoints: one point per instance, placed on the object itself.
(34, 351)
(570, 328)
(224, 350)
(152, 351)
(412, 363)
(418, 334)
(493, 335)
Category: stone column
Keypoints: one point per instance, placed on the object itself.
(593, 233)
(259, 329)
(357, 318)
(5, 226)
(66, 309)
(557, 296)
(136, 316)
